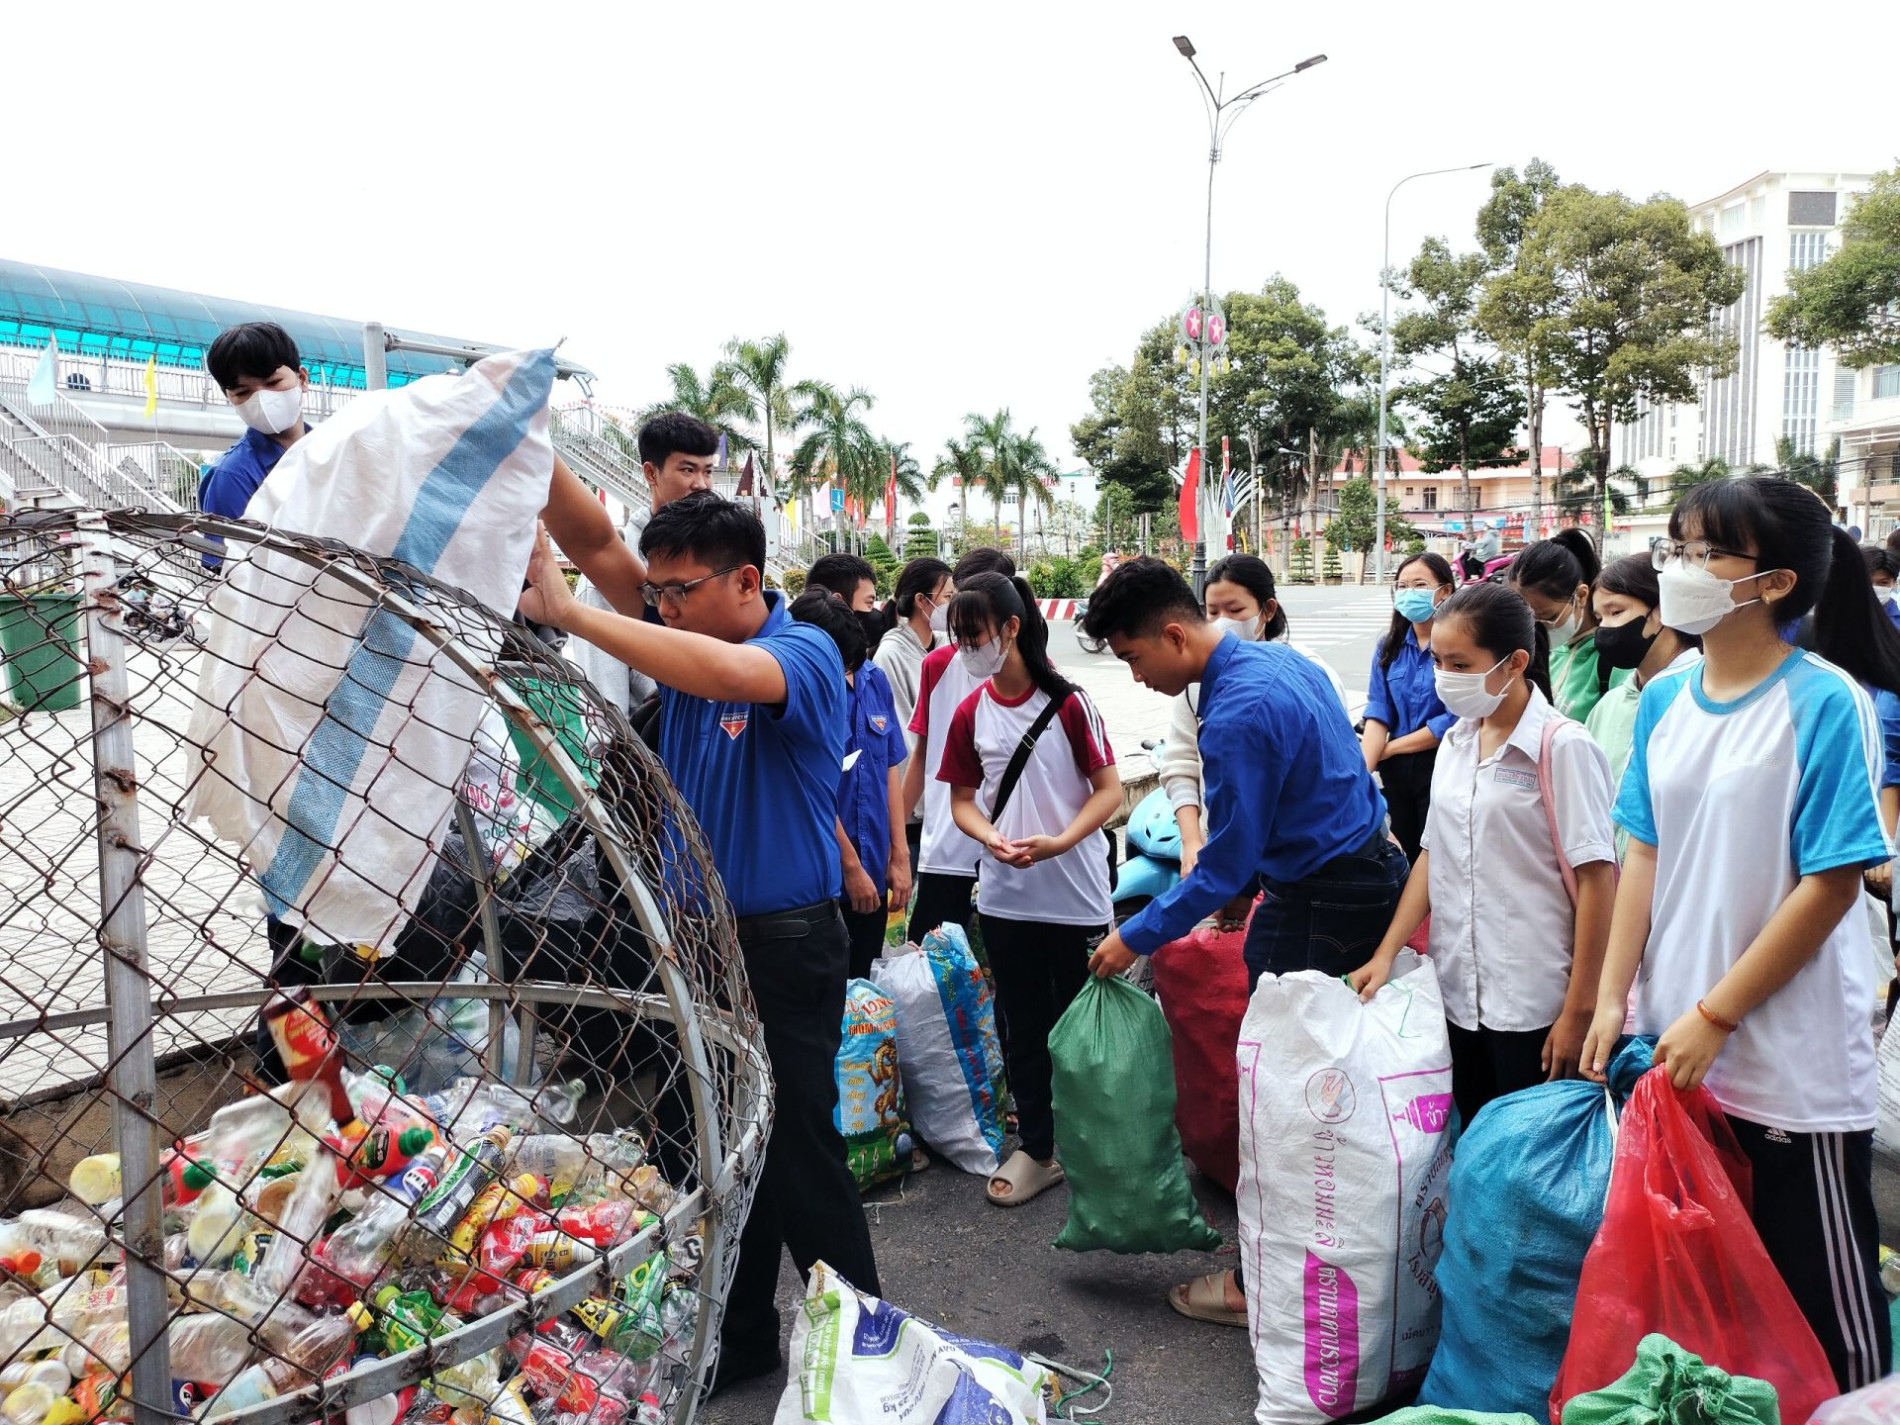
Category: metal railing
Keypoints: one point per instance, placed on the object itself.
(160, 468)
(59, 417)
(85, 374)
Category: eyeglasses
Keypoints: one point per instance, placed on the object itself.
(1693, 552)
(675, 594)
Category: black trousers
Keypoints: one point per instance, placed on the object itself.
(807, 1200)
(941, 900)
(1407, 783)
(1039, 969)
(864, 931)
(1490, 1063)
(1814, 1208)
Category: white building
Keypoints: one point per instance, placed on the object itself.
(1061, 530)
(1772, 224)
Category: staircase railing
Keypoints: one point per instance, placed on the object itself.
(161, 469)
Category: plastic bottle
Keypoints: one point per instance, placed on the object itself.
(312, 1352)
(409, 1318)
(646, 1411)
(358, 1250)
(297, 1227)
(28, 1404)
(207, 1346)
(96, 1179)
(554, 1156)
(60, 1237)
(469, 1385)
(216, 1227)
(385, 1409)
(47, 1373)
(308, 1046)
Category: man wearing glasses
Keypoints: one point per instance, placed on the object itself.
(753, 728)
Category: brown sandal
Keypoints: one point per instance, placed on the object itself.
(1027, 1179)
(1205, 1299)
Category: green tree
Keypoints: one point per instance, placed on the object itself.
(1355, 524)
(999, 450)
(920, 540)
(1820, 473)
(1518, 294)
(1122, 440)
(839, 447)
(1468, 412)
(715, 398)
(1581, 496)
(1685, 478)
(1032, 473)
(1851, 301)
(1632, 291)
(962, 463)
(1115, 516)
(758, 368)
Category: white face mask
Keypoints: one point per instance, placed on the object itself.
(1464, 695)
(940, 618)
(1246, 630)
(983, 661)
(1695, 601)
(1886, 595)
(272, 412)
(1565, 628)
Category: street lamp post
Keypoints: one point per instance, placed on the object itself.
(1385, 339)
(1217, 106)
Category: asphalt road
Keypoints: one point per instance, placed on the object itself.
(945, 1254)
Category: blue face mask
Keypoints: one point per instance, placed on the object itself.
(1415, 605)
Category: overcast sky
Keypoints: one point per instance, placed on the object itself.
(957, 206)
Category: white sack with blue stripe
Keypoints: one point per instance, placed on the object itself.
(336, 734)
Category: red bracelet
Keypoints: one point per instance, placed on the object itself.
(1725, 1025)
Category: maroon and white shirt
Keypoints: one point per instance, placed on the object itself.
(1070, 889)
(941, 686)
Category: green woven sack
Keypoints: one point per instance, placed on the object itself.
(1671, 1386)
(1113, 1083)
(1440, 1415)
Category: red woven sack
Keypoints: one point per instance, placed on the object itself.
(1678, 1254)
(1201, 981)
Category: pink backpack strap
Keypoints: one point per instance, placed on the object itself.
(1550, 805)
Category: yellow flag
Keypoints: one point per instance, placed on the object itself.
(151, 387)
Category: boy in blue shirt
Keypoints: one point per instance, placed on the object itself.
(753, 728)
(257, 367)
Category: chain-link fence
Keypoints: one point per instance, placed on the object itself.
(371, 1020)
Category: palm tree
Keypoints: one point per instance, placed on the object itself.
(1820, 473)
(717, 399)
(997, 444)
(840, 446)
(758, 369)
(1685, 478)
(963, 463)
(1030, 470)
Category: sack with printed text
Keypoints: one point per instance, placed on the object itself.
(947, 1049)
(857, 1360)
(1343, 1165)
(870, 1112)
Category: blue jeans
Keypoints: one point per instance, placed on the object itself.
(1332, 920)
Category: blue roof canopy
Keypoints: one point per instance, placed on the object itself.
(102, 316)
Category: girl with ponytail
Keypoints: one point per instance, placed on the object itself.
(1751, 805)
(1555, 577)
(1043, 892)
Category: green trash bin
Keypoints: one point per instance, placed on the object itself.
(39, 647)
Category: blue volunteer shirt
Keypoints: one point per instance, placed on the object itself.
(226, 486)
(1287, 786)
(763, 781)
(864, 802)
(1403, 696)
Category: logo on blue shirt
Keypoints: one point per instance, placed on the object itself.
(734, 723)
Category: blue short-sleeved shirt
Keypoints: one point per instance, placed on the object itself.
(864, 796)
(1287, 786)
(1403, 696)
(227, 485)
(1888, 707)
(762, 780)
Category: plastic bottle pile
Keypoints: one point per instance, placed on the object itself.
(422, 1212)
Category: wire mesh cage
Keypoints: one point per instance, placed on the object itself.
(374, 1041)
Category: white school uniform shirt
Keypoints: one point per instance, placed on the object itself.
(1070, 889)
(1503, 929)
(942, 685)
(1741, 799)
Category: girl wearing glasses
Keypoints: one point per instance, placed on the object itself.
(1554, 575)
(1751, 802)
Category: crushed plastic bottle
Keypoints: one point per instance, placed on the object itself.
(97, 1179)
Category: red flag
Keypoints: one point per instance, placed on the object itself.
(890, 501)
(745, 476)
(1190, 497)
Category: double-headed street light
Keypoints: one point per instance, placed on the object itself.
(1385, 339)
(1221, 113)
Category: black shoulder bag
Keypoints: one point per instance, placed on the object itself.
(1013, 773)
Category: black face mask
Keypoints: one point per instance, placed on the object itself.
(1625, 645)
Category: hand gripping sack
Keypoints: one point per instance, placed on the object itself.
(1527, 1188)
(857, 1360)
(1677, 1254)
(1671, 1386)
(1114, 1113)
(1201, 982)
(1343, 1166)
(947, 1048)
(870, 1112)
